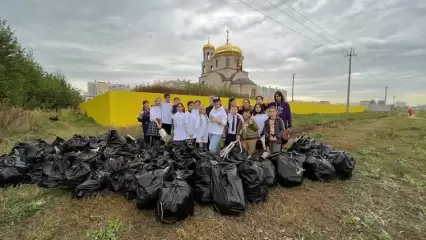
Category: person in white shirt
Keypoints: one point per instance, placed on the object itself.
(154, 122)
(217, 121)
(180, 126)
(260, 116)
(192, 118)
(196, 107)
(166, 114)
(201, 128)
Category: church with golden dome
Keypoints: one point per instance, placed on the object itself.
(223, 66)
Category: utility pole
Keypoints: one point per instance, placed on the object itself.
(350, 55)
(393, 105)
(292, 89)
(386, 93)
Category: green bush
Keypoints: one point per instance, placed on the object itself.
(24, 83)
(188, 88)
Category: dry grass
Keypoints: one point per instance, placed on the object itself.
(384, 200)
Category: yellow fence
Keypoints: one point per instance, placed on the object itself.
(121, 109)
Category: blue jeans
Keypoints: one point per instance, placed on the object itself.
(214, 142)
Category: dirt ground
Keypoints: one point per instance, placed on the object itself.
(386, 199)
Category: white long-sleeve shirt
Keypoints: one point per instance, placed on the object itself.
(180, 125)
(192, 119)
(218, 114)
(155, 113)
(201, 129)
(166, 112)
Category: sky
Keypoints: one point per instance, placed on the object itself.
(136, 42)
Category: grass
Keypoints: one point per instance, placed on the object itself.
(386, 199)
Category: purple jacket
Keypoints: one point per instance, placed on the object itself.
(284, 112)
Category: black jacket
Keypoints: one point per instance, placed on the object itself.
(208, 110)
(279, 129)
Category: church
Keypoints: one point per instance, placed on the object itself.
(223, 66)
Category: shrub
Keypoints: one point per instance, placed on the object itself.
(15, 120)
(188, 88)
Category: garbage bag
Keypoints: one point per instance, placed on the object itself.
(269, 171)
(53, 172)
(97, 181)
(186, 175)
(254, 184)
(183, 158)
(203, 182)
(237, 155)
(33, 152)
(77, 174)
(175, 202)
(343, 164)
(12, 170)
(113, 139)
(290, 169)
(227, 189)
(147, 188)
(318, 168)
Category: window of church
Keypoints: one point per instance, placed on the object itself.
(227, 62)
(217, 63)
(211, 68)
(208, 56)
(204, 68)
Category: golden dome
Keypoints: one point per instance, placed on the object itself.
(208, 45)
(228, 49)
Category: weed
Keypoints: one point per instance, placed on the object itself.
(109, 232)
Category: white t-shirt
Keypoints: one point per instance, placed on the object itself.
(155, 113)
(218, 114)
(166, 112)
(180, 124)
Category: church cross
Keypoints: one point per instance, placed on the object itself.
(227, 36)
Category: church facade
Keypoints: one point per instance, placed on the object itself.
(223, 67)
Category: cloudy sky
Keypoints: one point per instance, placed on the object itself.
(133, 41)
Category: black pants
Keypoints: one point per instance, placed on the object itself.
(167, 128)
(230, 138)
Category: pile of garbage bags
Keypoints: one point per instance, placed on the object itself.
(169, 179)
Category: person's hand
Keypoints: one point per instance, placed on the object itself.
(213, 120)
(271, 138)
(238, 137)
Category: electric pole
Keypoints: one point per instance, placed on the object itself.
(292, 89)
(393, 105)
(386, 93)
(350, 55)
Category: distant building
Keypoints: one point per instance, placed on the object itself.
(173, 83)
(97, 88)
(268, 92)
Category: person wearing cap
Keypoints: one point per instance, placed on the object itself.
(217, 121)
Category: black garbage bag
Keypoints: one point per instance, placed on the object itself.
(33, 152)
(90, 157)
(203, 181)
(161, 162)
(270, 173)
(237, 155)
(54, 169)
(304, 145)
(227, 189)
(148, 186)
(114, 164)
(75, 144)
(183, 157)
(290, 169)
(77, 174)
(318, 168)
(97, 181)
(12, 170)
(113, 139)
(175, 202)
(253, 178)
(186, 175)
(343, 164)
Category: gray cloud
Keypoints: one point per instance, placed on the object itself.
(140, 41)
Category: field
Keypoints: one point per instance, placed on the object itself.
(386, 199)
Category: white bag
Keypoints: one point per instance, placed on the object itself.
(166, 137)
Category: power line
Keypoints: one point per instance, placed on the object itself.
(282, 24)
(340, 41)
(275, 6)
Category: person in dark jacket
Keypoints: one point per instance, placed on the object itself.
(144, 118)
(283, 111)
(260, 101)
(273, 131)
(233, 129)
(176, 101)
(209, 108)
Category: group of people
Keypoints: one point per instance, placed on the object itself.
(263, 125)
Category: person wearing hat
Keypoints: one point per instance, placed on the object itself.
(217, 121)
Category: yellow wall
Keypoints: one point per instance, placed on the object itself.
(98, 108)
(120, 109)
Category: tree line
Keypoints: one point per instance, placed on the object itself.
(24, 82)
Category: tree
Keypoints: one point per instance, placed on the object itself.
(23, 82)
